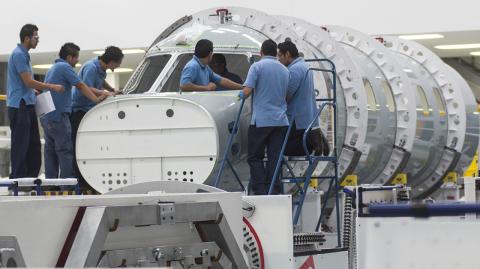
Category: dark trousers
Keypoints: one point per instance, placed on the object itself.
(316, 141)
(58, 151)
(259, 140)
(26, 150)
(295, 142)
(75, 120)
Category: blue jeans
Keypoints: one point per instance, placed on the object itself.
(58, 151)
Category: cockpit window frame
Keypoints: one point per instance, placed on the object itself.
(160, 75)
(157, 86)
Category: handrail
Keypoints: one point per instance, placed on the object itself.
(15, 183)
(280, 160)
(310, 126)
(228, 148)
(333, 72)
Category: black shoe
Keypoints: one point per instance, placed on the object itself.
(319, 143)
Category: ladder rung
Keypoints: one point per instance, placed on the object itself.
(307, 158)
(302, 179)
(324, 158)
(323, 177)
(297, 158)
(293, 180)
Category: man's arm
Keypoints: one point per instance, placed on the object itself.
(88, 77)
(226, 83)
(99, 92)
(190, 87)
(22, 65)
(247, 91)
(189, 74)
(89, 93)
(250, 82)
(34, 84)
(294, 81)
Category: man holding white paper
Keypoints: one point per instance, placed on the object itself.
(56, 124)
(25, 152)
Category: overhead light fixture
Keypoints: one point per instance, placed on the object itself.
(48, 66)
(421, 36)
(42, 66)
(120, 70)
(458, 46)
(475, 53)
(125, 51)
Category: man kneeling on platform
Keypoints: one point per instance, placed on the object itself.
(301, 104)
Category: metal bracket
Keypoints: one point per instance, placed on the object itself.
(87, 248)
(166, 213)
(10, 253)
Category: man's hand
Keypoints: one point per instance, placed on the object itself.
(107, 93)
(211, 86)
(37, 92)
(241, 95)
(57, 88)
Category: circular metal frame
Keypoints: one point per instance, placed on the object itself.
(454, 104)
(401, 89)
(349, 79)
(470, 144)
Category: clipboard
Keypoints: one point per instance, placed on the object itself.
(44, 104)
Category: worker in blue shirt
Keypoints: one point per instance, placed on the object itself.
(268, 80)
(25, 150)
(219, 67)
(197, 74)
(302, 107)
(58, 151)
(93, 74)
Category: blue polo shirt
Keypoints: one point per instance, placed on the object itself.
(302, 108)
(19, 62)
(197, 73)
(93, 76)
(61, 73)
(269, 79)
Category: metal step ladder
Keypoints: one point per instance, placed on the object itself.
(312, 159)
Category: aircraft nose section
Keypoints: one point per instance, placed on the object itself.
(118, 145)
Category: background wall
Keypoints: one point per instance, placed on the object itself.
(3, 87)
(94, 24)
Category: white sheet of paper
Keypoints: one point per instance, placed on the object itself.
(44, 104)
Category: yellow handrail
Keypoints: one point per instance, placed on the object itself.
(3, 97)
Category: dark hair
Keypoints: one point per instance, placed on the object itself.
(288, 46)
(219, 58)
(27, 31)
(69, 49)
(269, 48)
(112, 53)
(203, 48)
